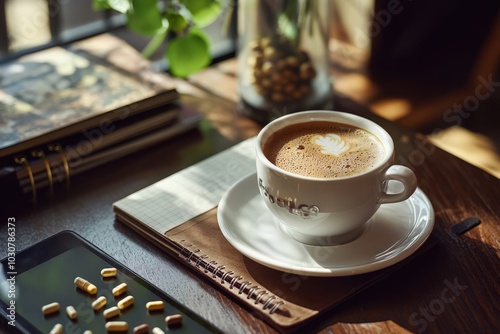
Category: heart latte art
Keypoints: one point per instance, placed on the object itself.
(324, 149)
(331, 144)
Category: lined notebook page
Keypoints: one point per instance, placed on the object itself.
(191, 191)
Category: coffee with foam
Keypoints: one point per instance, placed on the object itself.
(324, 149)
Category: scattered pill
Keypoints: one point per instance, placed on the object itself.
(111, 312)
(155, 305)
(157, 330)
(119, 289)
(141, 329)
(71, 312)
(50, 308)
(125, 302)
(85, 285)
(57, 329)
(88, 331)
(109, 272)
(173, 320)
(117, 326)
(99, 303)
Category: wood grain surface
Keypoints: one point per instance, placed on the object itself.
(453, 288)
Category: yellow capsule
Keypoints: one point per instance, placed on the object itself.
(99, 303)
(50, 308)
(125, 302)
(173, 320)
(85, 285)
(57, 329)
(119, 289)
(71, 312)
(157, 330)
(155, 305)
(109, 272)
(111, 312)
(117, 326)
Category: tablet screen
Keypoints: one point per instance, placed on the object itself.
(49, 280)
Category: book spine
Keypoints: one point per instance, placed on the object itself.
(237, 284)
(46, 167)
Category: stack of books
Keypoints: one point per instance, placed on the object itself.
(65, 110)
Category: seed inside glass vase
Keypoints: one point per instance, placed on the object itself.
(278, 71)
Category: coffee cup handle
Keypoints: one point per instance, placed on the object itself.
(406, 177)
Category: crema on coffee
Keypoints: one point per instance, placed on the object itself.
(324, 149)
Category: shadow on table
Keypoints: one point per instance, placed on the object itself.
(430, 292)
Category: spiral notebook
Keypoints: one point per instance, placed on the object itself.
(179, 214)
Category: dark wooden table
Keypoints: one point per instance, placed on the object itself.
(453, 288)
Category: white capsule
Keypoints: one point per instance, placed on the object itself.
(50, 308)
(57, 329)
(157, 330)
(99, 303)
(111, 312)
(117, 326)
(71, 312)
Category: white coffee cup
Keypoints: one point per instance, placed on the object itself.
(333, 210)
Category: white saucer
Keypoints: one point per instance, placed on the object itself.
(395, 232)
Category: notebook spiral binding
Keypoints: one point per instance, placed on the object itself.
(23, 161)
(218, 272)
(42, 170)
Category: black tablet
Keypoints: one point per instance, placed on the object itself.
(45, 273)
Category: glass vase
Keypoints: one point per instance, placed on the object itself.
(283, 57)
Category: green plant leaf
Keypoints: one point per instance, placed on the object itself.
(121, 6)
(144, 17)
(201, 34)
(204, 11)
(100, 4)
(189, 53)
(177, 21)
